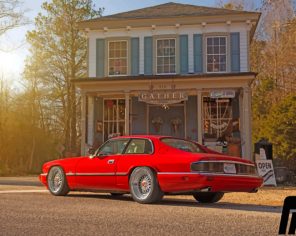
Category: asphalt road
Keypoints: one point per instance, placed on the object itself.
(39, 213)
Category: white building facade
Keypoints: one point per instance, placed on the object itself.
(172, 69)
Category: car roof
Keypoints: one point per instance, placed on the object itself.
(141, 136)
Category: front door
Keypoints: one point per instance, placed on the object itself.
(100, 172)
(167, 120)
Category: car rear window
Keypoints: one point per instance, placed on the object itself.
(183, 145)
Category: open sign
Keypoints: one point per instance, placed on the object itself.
(265, 170)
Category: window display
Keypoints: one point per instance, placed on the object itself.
(114, 117)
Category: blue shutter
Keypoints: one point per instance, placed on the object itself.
(184, 54)
(100, 58)
(197, 53)
(148, 55)
(235, 52)
(135, 56)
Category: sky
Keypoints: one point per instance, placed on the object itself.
(13, 46)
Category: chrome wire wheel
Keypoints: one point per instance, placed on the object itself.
(57, 183)
(144, 186)
(55, 180)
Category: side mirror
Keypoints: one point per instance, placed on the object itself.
(91, 151)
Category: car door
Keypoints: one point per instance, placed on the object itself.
(139, 152)
(98, 173)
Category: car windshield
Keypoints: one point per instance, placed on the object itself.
(183, 145)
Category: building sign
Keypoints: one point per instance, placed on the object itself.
(265, 170)
(222, 94)
(163, 97)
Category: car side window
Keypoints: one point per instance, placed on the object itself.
(139, 146)
(113, 147)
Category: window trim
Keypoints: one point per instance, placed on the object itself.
(156, 56)
(226, 53)
(127, 57)
(149, 140)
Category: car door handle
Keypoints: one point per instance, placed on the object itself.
(111, 161)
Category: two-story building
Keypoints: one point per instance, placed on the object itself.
(171, 69)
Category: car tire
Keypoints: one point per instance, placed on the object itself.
(57, 182)
(210, 197)
(144, 186)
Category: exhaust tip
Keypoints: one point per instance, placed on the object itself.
(207, 189)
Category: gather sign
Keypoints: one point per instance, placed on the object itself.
(163, 97)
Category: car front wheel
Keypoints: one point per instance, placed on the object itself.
(210, 197)
(144, 186)
(57, 182)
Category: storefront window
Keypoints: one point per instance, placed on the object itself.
(217, 116)
(166, 56)
(221, 123)
(216, 54)
(114, 117)
(117, 58)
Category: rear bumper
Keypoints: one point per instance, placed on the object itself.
(188, 182)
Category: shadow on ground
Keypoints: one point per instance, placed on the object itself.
(187, 203)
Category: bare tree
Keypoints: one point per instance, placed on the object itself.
(11, 15)
(247, 5)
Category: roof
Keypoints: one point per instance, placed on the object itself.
(171, 9)
(168, 77)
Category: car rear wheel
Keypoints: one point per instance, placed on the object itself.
(144, 186)
(210, 197)
(57, 182)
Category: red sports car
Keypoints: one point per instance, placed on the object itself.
(149, 167)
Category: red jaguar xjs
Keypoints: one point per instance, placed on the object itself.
(149, 167)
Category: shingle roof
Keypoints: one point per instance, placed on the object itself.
(171, 9)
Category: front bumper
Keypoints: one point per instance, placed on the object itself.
(189, 181)
(43, 179)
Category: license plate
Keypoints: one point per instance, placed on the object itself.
(229, 168)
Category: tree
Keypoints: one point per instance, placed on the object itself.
(240, 5)
(282, 127)
(11, 15)
(58, 55)
(272, 57)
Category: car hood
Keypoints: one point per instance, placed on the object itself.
(68, 164)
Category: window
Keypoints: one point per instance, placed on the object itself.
(216, 54)
(217, 117)
(166, 56)
(182, 145)
(117, 57)
(139, 146)
(113, 147)
(114, 117)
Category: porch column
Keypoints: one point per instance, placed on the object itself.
(247, 127)
(90, 121)
(127, 114)
(199, 116)
(83, 111)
